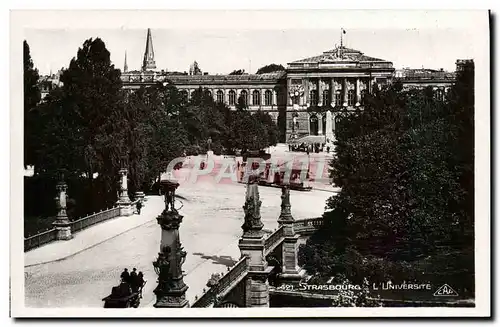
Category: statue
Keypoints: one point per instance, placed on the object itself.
(252, 210)
(162, 266)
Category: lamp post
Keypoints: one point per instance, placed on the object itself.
(171, 289)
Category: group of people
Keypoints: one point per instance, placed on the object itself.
(315, 148)
(130, 283)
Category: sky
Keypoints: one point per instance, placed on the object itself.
(223, 48)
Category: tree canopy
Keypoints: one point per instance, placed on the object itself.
(31, 100)
(405, 168)
(271, 69)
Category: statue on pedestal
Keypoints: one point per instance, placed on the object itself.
(253, 224)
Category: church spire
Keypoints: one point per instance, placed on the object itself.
(125, 66)
(149, 56)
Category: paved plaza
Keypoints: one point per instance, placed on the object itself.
(213, 216)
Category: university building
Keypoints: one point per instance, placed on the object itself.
(305, 98)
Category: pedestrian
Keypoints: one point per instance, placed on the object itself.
(139, 206)
(125, 276)
(134, 283)
(140, 282)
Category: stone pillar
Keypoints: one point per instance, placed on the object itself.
(358, 93)
(262, 97)
(124, 201)
(251, 245)
(329, 127)
(320, 93)
(307, 101)
(332, 92)
(257, 289)
(171, 289)
(320, 124)
(62, 224)
(345, 91)
(275, 98)
(290, 271)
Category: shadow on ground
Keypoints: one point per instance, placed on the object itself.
(224, 260)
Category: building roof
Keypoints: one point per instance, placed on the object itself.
(201, 79)
(338, 54)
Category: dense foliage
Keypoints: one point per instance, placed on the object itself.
(89, 128)
(270, 69)
(31, 99)
(405, 212)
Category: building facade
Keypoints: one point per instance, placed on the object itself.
(303, 99)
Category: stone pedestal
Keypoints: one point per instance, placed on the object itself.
(257, 289)
(171, 289)
(291, 272)
(124, 202)
(62, 223)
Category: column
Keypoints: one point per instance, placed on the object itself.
(251, 245)
(289, 98)
(306, 93)
(320, 93)
(226, 96)
(358, 93)
(332, 92)
(62, 224)
(171, 289)
(291, 273)
(124, 201)
(262, 97)
(320, 124)
(344, 83)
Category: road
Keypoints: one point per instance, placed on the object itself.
(210, 230)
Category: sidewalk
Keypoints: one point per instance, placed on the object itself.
(95, 235)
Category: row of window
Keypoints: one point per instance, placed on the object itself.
(351, 99)
(256, 97)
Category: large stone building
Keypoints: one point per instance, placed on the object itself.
(304, 98)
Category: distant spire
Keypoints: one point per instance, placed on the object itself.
(149, 55)
(125, 66)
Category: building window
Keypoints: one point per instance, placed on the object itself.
(232, 98)
(338, 98)
(268, 98)
(326, 97)
(256, 98)
(244, 96)
(439, 95)
(350, 98)
(363, 96)
(313, 97)
(220, 96)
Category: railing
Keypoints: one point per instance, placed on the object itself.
(307, 225)
(93, 219)
(39, 239)
(235, 274)
(273, 240)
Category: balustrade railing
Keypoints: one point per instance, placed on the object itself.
(93, 219)
(40, 239)
(309, 224)
(273, 239)
(77, 225)
(235, 273)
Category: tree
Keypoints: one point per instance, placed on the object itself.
(88, 112)
(237, 72)
(401, 164)
(270, 69)
(31, 100)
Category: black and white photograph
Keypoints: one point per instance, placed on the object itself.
(307, 163)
